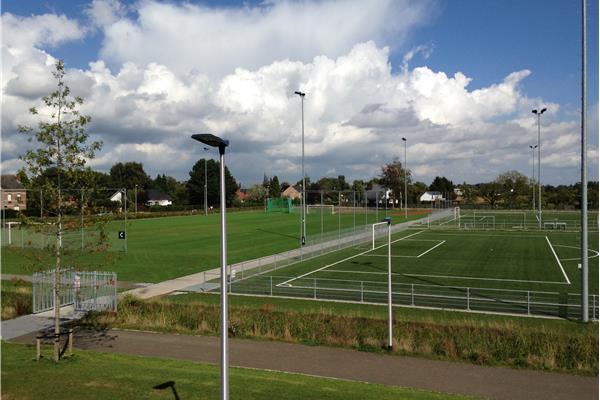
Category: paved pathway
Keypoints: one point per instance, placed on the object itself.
(442, 376)
(196, 282)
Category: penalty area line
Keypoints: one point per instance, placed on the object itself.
(287, 283)
(558, 261)
(427, 251)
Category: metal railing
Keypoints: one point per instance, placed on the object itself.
(85, 290)
(495, 301)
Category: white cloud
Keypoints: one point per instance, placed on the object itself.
(47, 29)
(216, 41)
(105, 12)
(356, 108)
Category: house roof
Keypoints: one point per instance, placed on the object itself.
(297, 188)
(156, 194)
(10, 182)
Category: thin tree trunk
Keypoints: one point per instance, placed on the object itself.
(58, 246)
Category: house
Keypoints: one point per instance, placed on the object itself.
(429, 197)
(158, 198)
(14, 194)
(378, 194)
(242, 194)
(292, 192)
(117, 197)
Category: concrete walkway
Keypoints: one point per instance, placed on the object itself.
(442, 376)
(197, 281)
(194, 282)
(33, 323)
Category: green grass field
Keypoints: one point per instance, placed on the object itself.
(94, 375)
(520, 271)
(164, 248)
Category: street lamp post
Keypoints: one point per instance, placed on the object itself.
(584, 195)
(539, 147)
(389, 257)
(205, 186)
(405, 184)
(533, 173)
(215, 141)
(301, 94)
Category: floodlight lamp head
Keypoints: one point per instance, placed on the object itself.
(404, 139)
(300, 93)
(543, 110)
(534, 111)
(212, 140)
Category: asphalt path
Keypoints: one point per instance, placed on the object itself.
(440, 376)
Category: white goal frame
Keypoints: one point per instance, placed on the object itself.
(373, 232)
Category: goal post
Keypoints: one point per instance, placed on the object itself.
(457, 215)
(379, 231)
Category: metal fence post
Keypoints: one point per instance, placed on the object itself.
(362, 296)
(271, 285)
(528, 302)
(412, 294)
(314, 288)
(468, 299)
(95, 291)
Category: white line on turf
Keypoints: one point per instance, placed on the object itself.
(485, 279)
(427, 251)
(446, 277)
(578, 248)
(287, 283)
(558, 261)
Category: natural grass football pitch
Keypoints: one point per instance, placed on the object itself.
(169, 247)
(489, 270)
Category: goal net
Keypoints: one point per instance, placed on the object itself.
(279, 205)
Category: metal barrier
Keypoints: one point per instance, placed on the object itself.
(321, 245)
(494, 301)
(86, 290)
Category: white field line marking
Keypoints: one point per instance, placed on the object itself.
(439, 242)
(578, 248)
(345, 259)
(385, 255)
(485, 279)
(558, 261)
(465, 234)
(425, 252)
(443, 276)
(453, 219)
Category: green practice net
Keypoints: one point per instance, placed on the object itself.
(279, 205)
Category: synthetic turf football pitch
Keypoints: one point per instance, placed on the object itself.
(525, 271)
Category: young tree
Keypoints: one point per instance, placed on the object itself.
(62, 143)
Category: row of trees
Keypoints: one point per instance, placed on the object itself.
(510, 189)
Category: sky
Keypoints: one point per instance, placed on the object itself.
(457, 79)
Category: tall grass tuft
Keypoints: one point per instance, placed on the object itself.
(500, 344)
